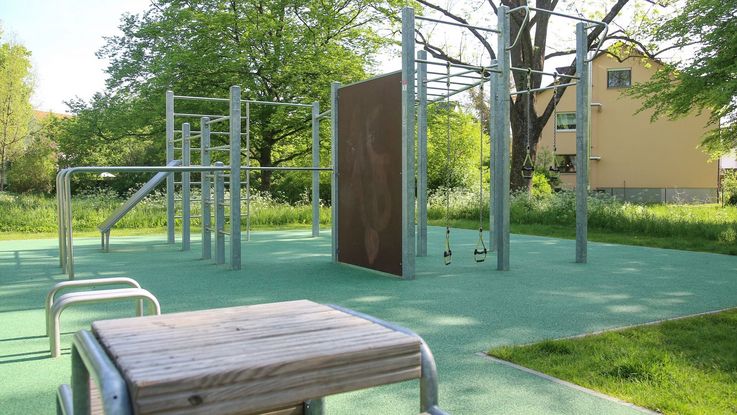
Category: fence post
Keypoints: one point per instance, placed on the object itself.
(205, 180)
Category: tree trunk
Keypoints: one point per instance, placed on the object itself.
(264, 160)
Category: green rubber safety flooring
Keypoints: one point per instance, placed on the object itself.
(460, 309)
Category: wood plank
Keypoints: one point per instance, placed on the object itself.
(298, 358)
(166, 400)
(253, 359)
(262, 403)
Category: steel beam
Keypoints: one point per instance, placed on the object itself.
(583, 112)
(315, 174)
(408, 143)
(422, 155)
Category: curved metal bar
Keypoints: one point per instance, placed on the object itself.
(90, 360)
(429, 376)
(522, 26)
(64, 401)
(94, 297)
(88, 283)
(604, 34)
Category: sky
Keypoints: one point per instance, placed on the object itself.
(63, 36)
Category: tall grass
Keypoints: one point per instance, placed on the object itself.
(709, 222)
(37, 214)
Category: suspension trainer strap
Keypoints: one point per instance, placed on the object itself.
(479, 252)
(528, 168)
(447, 253)
(554, 169)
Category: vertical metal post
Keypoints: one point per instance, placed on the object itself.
(583, 111)
(219, 216)
(502, 144)
(493, 120)
(408, 143)
(315, 174)
(205, 187)
(422, 155)
(248, 172)
(68, 225)
(169, 157)
(186, 204)
(334, 179)
(235, 177)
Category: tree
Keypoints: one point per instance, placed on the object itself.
(16, 113)
(35, 168)
(277, 50)
(707, 81)
(530, 52)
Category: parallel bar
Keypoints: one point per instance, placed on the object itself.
(583, 111)
(170, 238)
(502, 145)
(422, 155)
(315, 174)
(205, 185)
(219, 119)
(486, 29)
(334, 86)
(186, 161)
(408, 143)
(444, 75)
(235, 177)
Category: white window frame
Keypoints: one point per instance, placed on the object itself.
(564, 130)
(608, 71)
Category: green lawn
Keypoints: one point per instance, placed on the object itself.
(686, 366)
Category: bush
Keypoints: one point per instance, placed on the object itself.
(35, 170)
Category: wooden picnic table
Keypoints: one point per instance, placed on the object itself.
(260, 359)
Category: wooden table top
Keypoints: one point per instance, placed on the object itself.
(253, 359)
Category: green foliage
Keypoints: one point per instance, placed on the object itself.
(16, 113)
(276, 50)
(460, 167)
(35, 169)
(729, 187)
(541, 185)
(33, 213)
(705, 81)
(709, 223)
(678, 367)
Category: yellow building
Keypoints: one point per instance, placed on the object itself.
(630, 157)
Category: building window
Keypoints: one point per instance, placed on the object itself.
(566, 163)
(565, 121)
(619, 78)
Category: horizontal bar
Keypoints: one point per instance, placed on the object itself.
(219, 148)
(224, 232)
(458, 91)
(190, 149)
(324, 114)
(217, 120)
(190, 216)
(181, 169)
(459, 65)
(559, 14)
(189, 98)
(288, 104)
(526, 91)
(487, 29)
(535, 71)
(445, 75)
(186, 114)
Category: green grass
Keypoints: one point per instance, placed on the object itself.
(686, 366)
(569, 232)
(34, 216)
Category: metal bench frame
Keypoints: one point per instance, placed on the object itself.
(90, 360)
(92, 283)
(87, 297)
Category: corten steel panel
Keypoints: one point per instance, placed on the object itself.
(370, 174)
